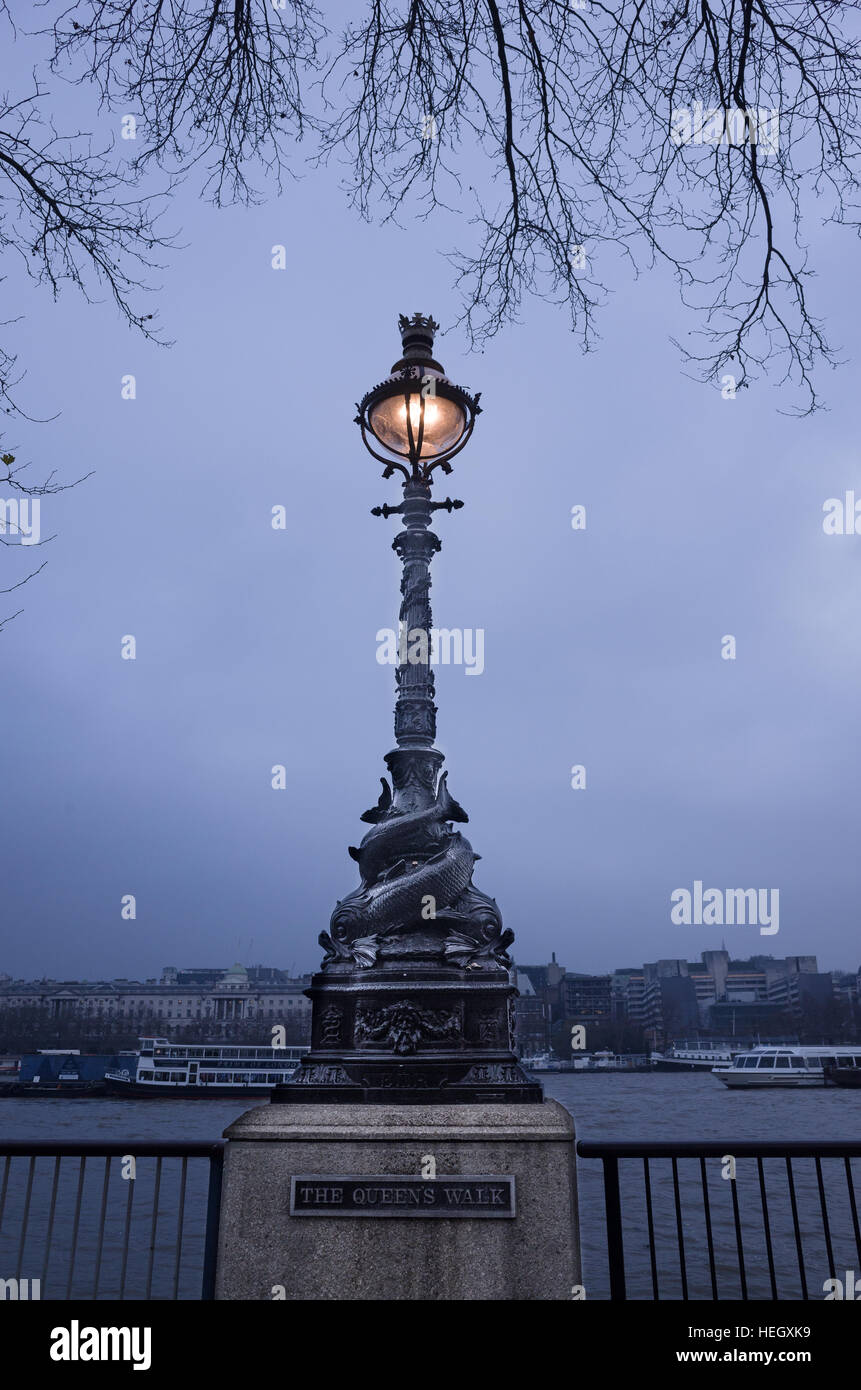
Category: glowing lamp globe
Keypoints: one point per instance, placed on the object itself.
(417, 416)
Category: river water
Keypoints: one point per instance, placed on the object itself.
(638, 1106)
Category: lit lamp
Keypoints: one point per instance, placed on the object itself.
(417, 414)
(414, 1000)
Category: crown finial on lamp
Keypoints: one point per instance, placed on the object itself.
(417, 336)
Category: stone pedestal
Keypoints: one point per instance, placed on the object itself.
(266, 1253)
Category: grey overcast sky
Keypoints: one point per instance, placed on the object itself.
(257, 647)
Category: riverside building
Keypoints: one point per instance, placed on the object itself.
(214, 997)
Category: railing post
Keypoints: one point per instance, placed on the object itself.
(213, 1209)
(615, 1247)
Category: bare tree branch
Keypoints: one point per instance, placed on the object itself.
(69, 214)
(688, 136)
(218, 84)
(578, 112)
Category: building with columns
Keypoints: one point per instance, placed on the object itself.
(203, 996)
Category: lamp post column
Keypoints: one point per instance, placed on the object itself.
(415, 763)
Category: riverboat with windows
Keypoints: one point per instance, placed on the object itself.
(167, 1069)
(786, 1066)
(693, 1057)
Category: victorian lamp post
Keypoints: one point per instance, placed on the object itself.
(414, 1001)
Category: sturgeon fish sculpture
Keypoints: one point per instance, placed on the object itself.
(406, 859)
(394, 836)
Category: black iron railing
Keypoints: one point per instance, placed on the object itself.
(725, 1220)
(143, 1225)
(680, 1220)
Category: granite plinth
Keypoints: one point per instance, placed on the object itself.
(265, 1253)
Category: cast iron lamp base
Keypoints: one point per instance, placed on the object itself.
(415, 1035)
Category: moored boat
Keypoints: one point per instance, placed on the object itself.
(51, 1090)
(591, 1062)
(693, 1057)
(786, 1066)
(167, 1070)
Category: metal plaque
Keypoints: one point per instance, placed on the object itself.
(460, 1196)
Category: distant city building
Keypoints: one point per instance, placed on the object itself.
(671, 1003)
(798, 984)
(531, 1023)
(568, 995)
(845, 987)
(181, 997)
(731, 1020)
(670, 998)
(743, 997)
(586, 998)
(545, 980)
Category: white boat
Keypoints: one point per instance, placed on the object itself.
(785, 1066)
(693, 1057)
(200, 1070)
(543, 1061)
(592, 1062)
